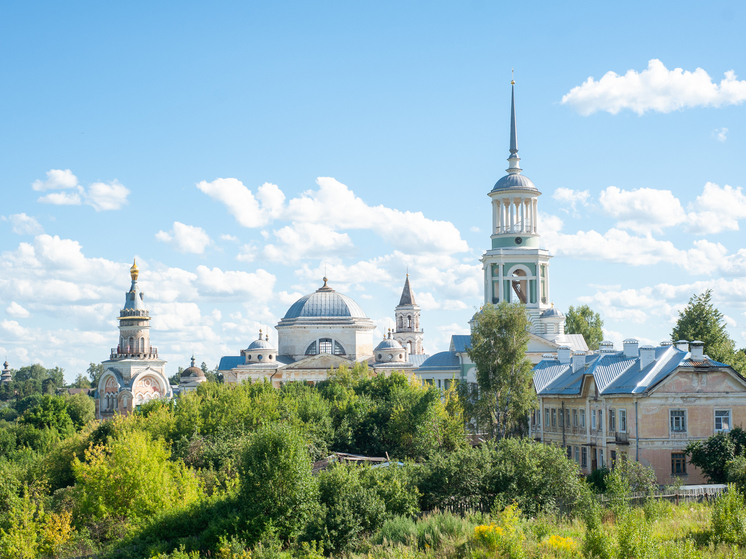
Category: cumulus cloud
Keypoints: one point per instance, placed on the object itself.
(655, 89)
(307, 240)
(258, 285)
(24, 224)
(643, 210)
(56, 179)
(103, 196)
(185, 238)
(335, 207)
(716, 210)
(17, 311)
(721, 134)
(571, 197)
(100, 195)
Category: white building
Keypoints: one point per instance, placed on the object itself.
(133, 374)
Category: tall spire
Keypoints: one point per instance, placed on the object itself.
(513, 160)
(407, 297)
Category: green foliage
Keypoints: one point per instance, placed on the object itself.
(504, 372)
(597, 479)
(729, 517)
(276, 482)
(81, 382)
(635, 537)
(711, 456)
(701, 320)
(94, 371)
(49, 413)
(81, 408)
(582, 320)
(736, 472)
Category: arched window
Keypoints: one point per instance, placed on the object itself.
(325, 345)
(409, 321)
(131, 346)
(401, 321)
(142, 345)
(311, 349)
(409, 346)
(338, 349)
(519, 284)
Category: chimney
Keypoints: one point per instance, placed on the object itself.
(578, 361)
(549, 357)
(697, 348)
(683, 345)
(666, 343)
(647, 356)
(606, 347)
(563, 354)
(630, 348)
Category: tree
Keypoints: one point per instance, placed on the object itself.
(499, 341)
(277, 485)
(81, 408)
(712, 456)
(81, 382)
(95, 370)
(51, 413)
(583, 320)
(700, 320)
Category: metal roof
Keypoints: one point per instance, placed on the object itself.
(514, 181)
(260, 344)
(230, 362)
(325, 303)
(445, 360)
(134, 298)
(389, 343)
(407, 297)
(417, 359)
(460, 343)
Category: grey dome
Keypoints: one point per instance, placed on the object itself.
(325, 302)
(389, 343)
(552, 313)
(516, 180)
(260, 344)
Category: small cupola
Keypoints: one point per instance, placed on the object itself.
(390, 350)
(260, 350)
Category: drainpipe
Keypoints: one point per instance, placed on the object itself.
(564, 445)
(637, 435)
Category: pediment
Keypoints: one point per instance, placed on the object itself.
(321, 361)
(685, 380)
(537, 344)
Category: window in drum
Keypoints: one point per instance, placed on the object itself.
(311, 350)
(678, 464)
(584, 457)
(338, 349)
(622, 421)
(325, 345)
(722, 420)
(678, 420)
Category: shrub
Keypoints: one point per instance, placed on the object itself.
(504, 537)
(729, 517)
(635, 537)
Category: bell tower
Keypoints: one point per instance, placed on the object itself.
(516, 269)
(407, 315)
(134, 323)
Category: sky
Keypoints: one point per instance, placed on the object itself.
(241, 150)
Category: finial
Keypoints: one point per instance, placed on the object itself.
(512, 76)
(513, 166)
(260, 333)
(192, 360)
(325, 280)
(134, 270)
(266, 337)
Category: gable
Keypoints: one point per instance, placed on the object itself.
(687, 380)
(321, 361)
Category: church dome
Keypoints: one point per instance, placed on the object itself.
(261, 343)
(552, 313)
(192, 373)
(325, 302)
(389, 343)
(514, 181)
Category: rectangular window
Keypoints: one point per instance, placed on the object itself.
(584, 457)
(623, 421)
(612, 421)
(569, 452)
(577, 454)
(554, 417)
(546, 417)
(561, 418)
(613, 458)
(722, 420)
(567, 415)
(593, 421)
(582, 419)
(600, 419)
(439, 383)
(678, 464)
(574, 418)
(678, 420)
(600, 458)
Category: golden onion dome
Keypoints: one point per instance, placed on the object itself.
(134, 271)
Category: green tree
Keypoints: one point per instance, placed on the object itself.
(95, 370)
(499, 341)
(711, 456)
(701, 320)
(582, 320)
(81, 408)
(81, 381)
(276, 482)
(49, 413)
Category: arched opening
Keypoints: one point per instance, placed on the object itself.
(311, 349)
(410, 347)
(409, 322)
(325, 345)
(338, 349)
(142, 345)
(131, 345)
(519, 284)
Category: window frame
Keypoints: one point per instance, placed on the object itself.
(582, 419)
(554, 417)
(730, 420)
(575, 418)
(683, 417)
(547, 417)
(584, 457)
(622, 420)
(612, 420)
(593, 420)
(678, 458)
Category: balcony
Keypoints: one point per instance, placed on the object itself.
(125, 353)
(621, 438)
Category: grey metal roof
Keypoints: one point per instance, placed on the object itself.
(443, 361)
(551, 312)
(389, 343)
(514, 181)
(260, 344)
(323, 303)
(460, 342)
(556, 378)
(407, 297)
(417, 359)
(134, 298)
(230, 362)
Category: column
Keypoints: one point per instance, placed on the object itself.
(500, 277)
(494, 217)
(516, 201)
(523, 215)
(512, 215)
(536, 215)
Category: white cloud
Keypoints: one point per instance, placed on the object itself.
(231, 238)
(730, 321)
(247, 254)
(61, 199)
(103, 196)
(24, 224)
(474, 229)
(716, 210)
(721, 134)
(13, 329)
(56, 179)
(242, 203)
(307, 240)
(572, 197)
(185, 238)
(257, 285)
(17, 311)
(643, 210)
(655, 89)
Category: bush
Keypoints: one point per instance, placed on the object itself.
(729, 517)
(277, 486)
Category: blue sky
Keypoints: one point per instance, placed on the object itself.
(170, 118)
